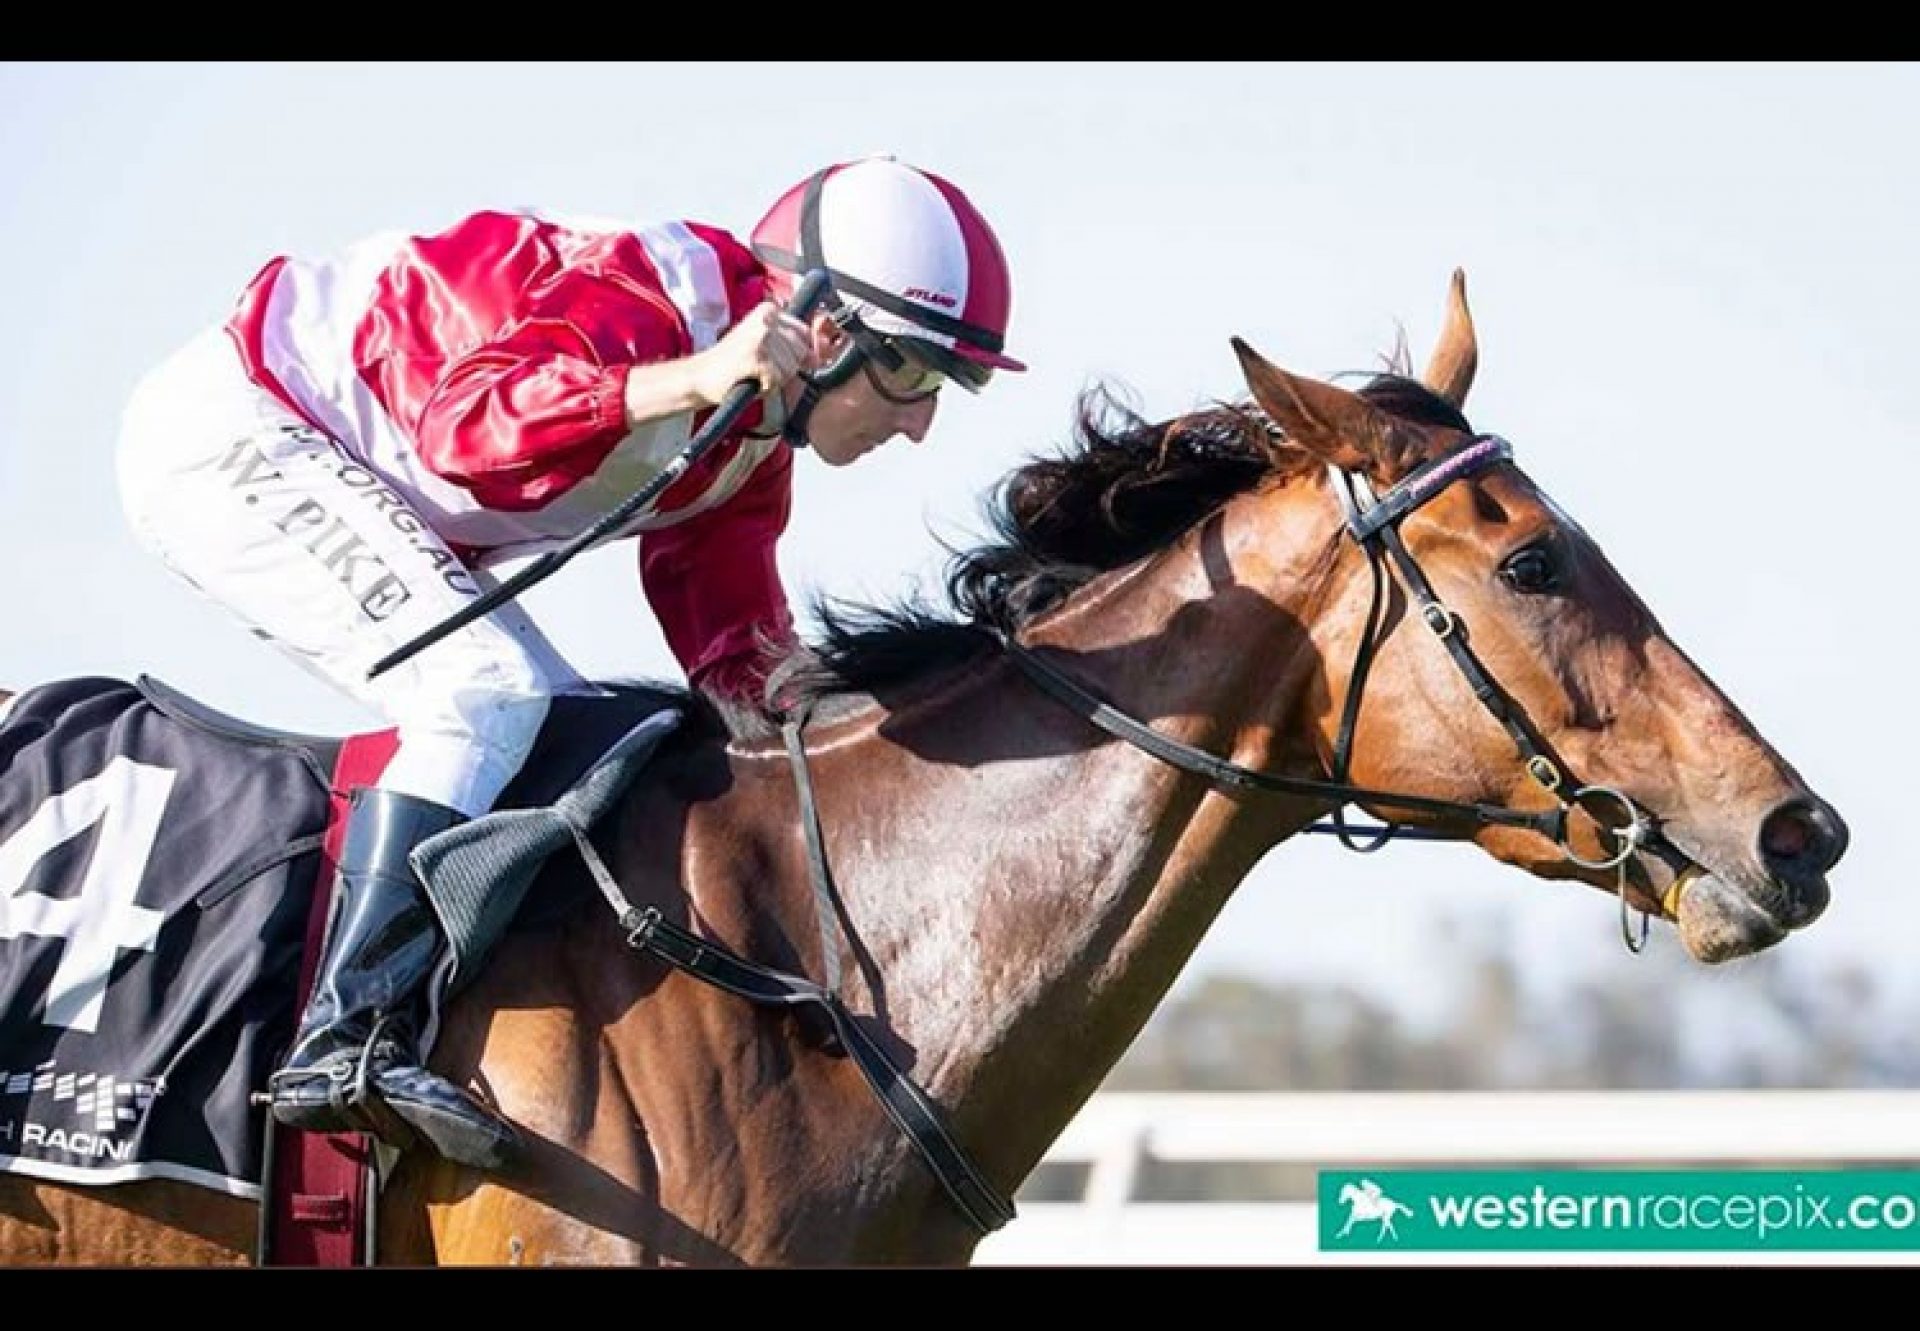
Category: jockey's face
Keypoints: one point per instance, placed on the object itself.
(868, 410)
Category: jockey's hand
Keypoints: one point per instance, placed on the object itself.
(768, 346)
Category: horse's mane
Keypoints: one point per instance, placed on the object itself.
(1122, 490)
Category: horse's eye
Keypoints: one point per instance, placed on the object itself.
(1534, 570)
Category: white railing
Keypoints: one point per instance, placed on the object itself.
(1116, 1133)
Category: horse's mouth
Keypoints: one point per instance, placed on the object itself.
(1721, 915)
(1718, 922)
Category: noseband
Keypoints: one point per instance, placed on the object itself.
(1373, 522)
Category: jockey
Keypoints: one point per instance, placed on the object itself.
(340, 461)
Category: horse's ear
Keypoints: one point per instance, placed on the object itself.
(1457, 355)
(1339, 427)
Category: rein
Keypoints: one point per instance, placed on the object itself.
(1223, 772)
(912, 1110)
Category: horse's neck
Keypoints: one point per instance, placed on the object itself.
(1029, 890)
(1019, 892)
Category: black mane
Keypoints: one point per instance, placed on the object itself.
(1122, 490)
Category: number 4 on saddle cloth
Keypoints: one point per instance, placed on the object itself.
(158, 864)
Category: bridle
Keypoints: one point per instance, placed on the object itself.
(1373, 523)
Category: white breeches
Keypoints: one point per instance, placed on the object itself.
(272, 519)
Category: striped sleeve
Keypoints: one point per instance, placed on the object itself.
(715, 585)
(526, 416)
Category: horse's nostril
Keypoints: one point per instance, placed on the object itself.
(1785, 836)
(1802, 837)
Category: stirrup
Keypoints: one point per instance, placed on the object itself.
(342, 1065)
(351, 1096)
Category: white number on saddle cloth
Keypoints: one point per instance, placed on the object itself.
(127, 801)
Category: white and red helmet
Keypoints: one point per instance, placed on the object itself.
(907, 253)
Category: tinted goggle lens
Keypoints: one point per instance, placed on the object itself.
(908, 381)
(907, 369)
(967, 373)
(896, 372)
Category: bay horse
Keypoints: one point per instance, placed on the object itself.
(1034, 802)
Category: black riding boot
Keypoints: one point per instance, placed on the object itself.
(355, 1065)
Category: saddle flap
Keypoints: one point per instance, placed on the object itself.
(478, 873)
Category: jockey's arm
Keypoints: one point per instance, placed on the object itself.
(714, 583)
(525, 416)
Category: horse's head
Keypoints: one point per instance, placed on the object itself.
(1588, 689)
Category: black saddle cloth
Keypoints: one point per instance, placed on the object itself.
(157, 864)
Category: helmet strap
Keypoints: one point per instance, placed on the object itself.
(794, 429)
(863, 345)
(818, 383)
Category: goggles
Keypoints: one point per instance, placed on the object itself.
(903, 370)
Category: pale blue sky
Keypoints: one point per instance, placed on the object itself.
(1695, 289)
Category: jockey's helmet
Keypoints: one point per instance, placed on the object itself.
(913, 265)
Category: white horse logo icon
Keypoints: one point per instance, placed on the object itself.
(1365, 1201)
